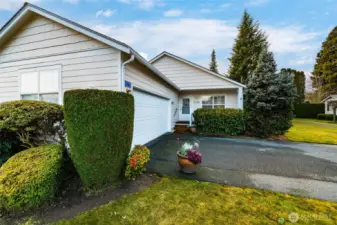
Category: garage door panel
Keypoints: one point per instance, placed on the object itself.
(151, 117)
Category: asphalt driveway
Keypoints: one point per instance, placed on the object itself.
(297, 168)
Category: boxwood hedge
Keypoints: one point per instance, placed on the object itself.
(219, 121)
(100, 130)
(308, 110)
(325, 117)
(30, 178)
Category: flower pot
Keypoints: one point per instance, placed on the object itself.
(186, 166)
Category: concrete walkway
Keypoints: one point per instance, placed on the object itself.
(297, 168)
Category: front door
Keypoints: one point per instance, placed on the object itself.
(185, 110)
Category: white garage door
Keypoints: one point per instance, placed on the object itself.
(151, 117)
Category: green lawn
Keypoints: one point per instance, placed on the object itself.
(177, 201)
(313, 131)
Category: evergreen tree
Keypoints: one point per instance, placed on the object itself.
(325, 71)
(246, 50)
(269, 99)
(213, 65)
(299, 83)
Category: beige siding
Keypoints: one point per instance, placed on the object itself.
(85, 63)
(144, 79)
(186, 76)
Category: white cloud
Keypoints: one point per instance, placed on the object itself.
(225, 5)
(173, 13)
(303, 60)
(106, 13)
(72, 1)
(194, 38)
(144, 55)
(143, 4)
(14, 4)
(256, 2)
(183, 37)
(290, 39)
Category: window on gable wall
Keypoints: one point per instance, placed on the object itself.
(214, 102)
(42, 85)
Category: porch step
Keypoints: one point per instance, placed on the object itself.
(182, 127)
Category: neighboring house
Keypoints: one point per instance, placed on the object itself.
(328, 107)
(42, 55)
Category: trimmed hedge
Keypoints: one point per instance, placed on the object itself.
(325, 117)
(219, 121)
(100, 130)
(30, 178)
(32, 120)
(309, 110)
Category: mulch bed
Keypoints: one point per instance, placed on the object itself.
(73, 200)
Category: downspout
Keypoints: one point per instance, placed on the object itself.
(123, 72)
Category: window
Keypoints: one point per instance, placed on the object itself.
(42, 85)
(214, 102)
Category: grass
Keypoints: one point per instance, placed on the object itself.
(313, 131)
(177, 201)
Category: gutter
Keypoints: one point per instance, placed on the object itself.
(123, 72)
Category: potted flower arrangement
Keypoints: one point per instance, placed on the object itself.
(189, 157)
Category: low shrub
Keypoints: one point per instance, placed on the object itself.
(325, 117)
(33, 121)
(308, 110)
(219, 121)
(136, 162)
(99, 130)
(30, 178)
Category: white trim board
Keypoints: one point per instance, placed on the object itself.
(194, 65)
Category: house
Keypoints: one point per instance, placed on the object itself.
(326, 101)
(42, 55)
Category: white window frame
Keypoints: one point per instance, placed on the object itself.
(212, 96)
(58, 68)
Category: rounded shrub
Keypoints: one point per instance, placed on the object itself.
(33, 121)
(30, 178)
(100, 130)
(219, 121)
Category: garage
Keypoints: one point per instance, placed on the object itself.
(152, 117)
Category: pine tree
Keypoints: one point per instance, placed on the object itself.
(269, 99)
(325, 71)
(246, 50)
(213, 65)
(299, 83)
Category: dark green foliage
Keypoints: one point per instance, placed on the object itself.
(308, 110)
(269, 101)
(249, 44)
(213, 65)
(32, 120)
(325, 72)
(219, 121)
(325, 116)
(9, 145)
(299, 82)
(30, 178)
(100, 130)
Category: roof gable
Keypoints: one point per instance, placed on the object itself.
(27, 10)
(163, 54)
(329, 97)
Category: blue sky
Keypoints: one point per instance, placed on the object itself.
(191, 28)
